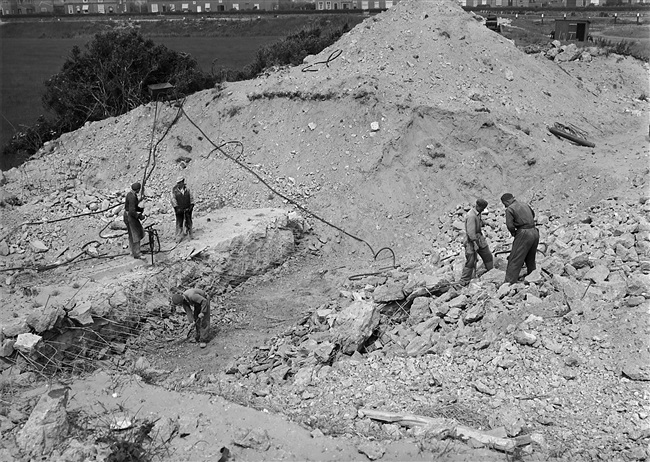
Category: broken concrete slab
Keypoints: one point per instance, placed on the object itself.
(43, 318)
(393, 291)
(82, 313)
(14, 327)
(355, 324)
(26, 343)
(47, 425)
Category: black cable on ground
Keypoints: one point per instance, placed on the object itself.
(263, 181)
(55, 220)
(154, 147)
(333, 55)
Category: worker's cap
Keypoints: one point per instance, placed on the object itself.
(481, 203)
(507, 197)
(136, 186)
(180, 179)
(177, 299)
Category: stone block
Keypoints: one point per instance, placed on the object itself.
(26, 343)
(598, 274)
(355, 324)
(474, 313)
(389, 293)
(420, 309)
(7, 347)
(418, 346)
(495, 276)
(44, 318)
(47, 425)
(14, 327)
(82, 313)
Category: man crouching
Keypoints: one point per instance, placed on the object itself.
(197, 307)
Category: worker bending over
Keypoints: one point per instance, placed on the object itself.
(197, 307)
(520, 221)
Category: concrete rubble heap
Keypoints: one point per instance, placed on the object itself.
(424, 108)
(458, 345)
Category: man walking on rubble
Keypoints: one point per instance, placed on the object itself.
(475, 242)
(132, 217)
(520, 221)
(197, 307)
(183, 203)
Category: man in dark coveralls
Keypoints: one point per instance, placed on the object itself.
(132, 217)
(520, 221)
(183, 203)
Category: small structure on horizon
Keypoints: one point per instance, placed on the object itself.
(572, 29)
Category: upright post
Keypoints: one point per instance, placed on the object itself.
(615, 16)
(542, 18)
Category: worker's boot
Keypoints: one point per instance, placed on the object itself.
(136, 250)
(190, 233)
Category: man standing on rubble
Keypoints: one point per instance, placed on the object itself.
(197, 307)
(475, 242)
(520, 221)
(183, 204)
(132, 217)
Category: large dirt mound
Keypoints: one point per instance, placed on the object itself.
(417, 109)
(389, 134)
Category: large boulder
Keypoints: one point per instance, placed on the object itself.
(47, 425)
(355, 324)
(14, 327)
(82, 313)
(638, 284)
(390, 292)
(27, 342)
(44, 318)
(419, 310)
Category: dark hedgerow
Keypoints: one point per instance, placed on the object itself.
(111, 77)
(290, 51)
(27, 141)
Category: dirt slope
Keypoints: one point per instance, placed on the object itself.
(460, 111)
(424, 109)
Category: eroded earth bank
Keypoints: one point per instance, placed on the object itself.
(320, 351)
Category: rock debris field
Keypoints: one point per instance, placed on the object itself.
(320, 351)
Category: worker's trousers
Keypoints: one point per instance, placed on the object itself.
(135, 232)
(184, 217)
(524, 248)
(202, 333)
(471, 259)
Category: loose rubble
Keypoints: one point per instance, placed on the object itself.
(520, 357)
(390, 146)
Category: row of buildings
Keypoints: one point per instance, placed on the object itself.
(73, 7)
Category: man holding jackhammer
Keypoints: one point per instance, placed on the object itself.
(197, 307)
(475, 242)
(183, 203)
(520, 221)
(132, 217)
